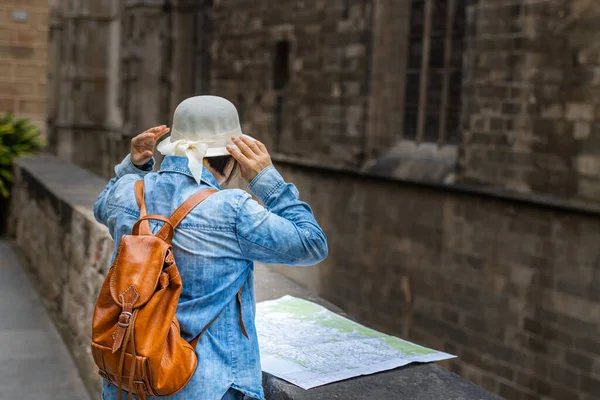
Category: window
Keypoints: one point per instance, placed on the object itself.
(281, 67)
(433, 78)
(281, 76)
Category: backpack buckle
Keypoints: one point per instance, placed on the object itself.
(125, 319)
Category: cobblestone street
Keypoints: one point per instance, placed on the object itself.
(34, 361)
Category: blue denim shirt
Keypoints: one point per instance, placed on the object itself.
(214, 248)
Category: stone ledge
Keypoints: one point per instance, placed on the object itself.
(60, 180)
(54, 227)
(438, 175)
(415, 381)
(425, 162)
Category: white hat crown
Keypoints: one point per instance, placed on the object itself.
(204, 117)
(202, 127)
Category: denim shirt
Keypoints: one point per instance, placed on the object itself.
(214, 248)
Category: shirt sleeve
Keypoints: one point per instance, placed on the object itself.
(284, 231)
(125, 168)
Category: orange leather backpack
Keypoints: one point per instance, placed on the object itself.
(136, 342)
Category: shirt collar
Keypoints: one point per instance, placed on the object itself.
(179, 164)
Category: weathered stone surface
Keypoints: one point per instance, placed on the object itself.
(499, 283)
(520, 66)
(324, 82)
(324, 46)
(421, 163)
(23, 57)
(415, 382)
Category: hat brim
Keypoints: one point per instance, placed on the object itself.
(217, 152)
(221, 151)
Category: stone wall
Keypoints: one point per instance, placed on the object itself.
(511, 288)
(83, 116)
(297, 72)
(324, 82)
(23, 58)
(531, 103)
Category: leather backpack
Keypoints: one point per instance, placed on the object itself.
(136, 340)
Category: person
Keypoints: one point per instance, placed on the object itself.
(216, 244)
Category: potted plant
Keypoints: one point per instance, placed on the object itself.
(18, 137)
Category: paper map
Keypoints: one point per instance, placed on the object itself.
(308, 345)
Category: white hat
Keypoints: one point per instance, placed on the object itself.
(202, 127)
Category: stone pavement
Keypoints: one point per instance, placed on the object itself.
(34, 361)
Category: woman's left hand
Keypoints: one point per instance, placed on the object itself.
(142, 146)
(251, 154)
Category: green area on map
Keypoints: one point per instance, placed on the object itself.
(305, 310)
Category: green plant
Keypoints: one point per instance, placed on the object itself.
(18, 137)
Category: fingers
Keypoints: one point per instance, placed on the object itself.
(243, 146)
(252, 144)
(161, 133)
(152, 134)
(142, 136)
(261, 146)
(157, 129)
(237, 154)
(250, 148)
(251, 154)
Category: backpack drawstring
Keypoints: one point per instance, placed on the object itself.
(129, 333)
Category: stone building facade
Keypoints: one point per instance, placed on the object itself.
(450, 149)
(23, 58)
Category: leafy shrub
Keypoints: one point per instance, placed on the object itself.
(18, 137)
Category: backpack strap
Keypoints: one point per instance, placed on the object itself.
(139, 197)
(185, 208)
(242, 325)
(175, 219)
(157, 217)
(194, 341)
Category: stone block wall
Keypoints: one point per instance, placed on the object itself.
(116, 69)
(324, 82)
(83, 80)
(511, 288)
(23, 59)
(297, 72)
(530, 98)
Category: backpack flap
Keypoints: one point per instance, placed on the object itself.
(137, 269)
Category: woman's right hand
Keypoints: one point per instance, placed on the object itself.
(251, 154)
(142, 146)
